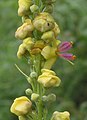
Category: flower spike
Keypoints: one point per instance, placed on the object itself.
(41, 48)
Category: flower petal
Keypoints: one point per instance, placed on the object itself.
(65, 46)
(67, 56)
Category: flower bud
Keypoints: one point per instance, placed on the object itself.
(51, 97)
(28, 91)
(44, 98)
(21, 106)
(48, 78)
(61, 116)
(34, 8)
(34, 97)
(33, 75)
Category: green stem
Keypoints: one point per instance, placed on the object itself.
(39, 87)
(45, 113)
(40, 110)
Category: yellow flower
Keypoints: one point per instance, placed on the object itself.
(25, 30)
(21, 51)
(21, 106)
(24, 6)
(25, 46)
(48, 52)
(44, 22)
(61, 116)
(48, 78)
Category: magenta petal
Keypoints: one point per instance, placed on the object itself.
(65, 46)
(67, 56)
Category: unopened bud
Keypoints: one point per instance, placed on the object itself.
(60, 116)
(34, 8)
(34, 97)
(33, 75)
(51, 97)
(28, 91)
(44, 98)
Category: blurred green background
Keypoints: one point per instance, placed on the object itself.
(71, 15)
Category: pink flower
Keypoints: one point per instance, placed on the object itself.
(62, 51)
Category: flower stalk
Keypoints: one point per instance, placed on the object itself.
(41, 48)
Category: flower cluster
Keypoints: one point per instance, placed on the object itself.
(41, 47)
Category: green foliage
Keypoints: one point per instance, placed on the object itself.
(71, 16)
